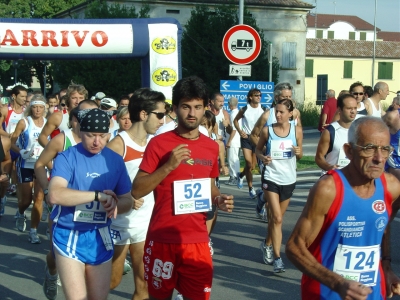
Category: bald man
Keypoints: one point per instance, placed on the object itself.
(381, 91)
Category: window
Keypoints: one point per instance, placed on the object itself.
(331, 34)
(173, 11)
(289, 55)
(385, 70)
(309, 67)
(348, 69)
(320, 34)
(352, 35)
(363, 36)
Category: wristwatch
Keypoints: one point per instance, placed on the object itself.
(96, 195)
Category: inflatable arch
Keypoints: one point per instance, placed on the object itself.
(155, 41)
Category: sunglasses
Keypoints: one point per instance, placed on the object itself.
(159, 115)
(62, 104)
(355, 94)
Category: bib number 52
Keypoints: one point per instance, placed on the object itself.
(192, 190)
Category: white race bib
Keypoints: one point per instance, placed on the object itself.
(192, 196)
(37, 150)
(92, 212)
(281, 149)
(358, 263)
(343, 160)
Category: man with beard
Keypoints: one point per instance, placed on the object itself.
(181, 166)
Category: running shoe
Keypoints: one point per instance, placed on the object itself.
(50, 287)
(16, 214)
(267, 252)
(2, 205)
(229, 181)
(12, 189)
(279, 267)
(179, 297)
(239, 180)
(20, 222)
(48, 233)
(252, 193)
(264, 216)
(34, 238)
(210, 244)
(45, 212)
(127, 267)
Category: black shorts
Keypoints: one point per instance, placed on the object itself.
(284, 191)
(246, 144)
(25, 175)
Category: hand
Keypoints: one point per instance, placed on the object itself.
(223, 170)
(391, 280)
(228, 145)
(225, 202)
(137, 203)
(225, 122)
(334, 167)
(350, 290)
(109, 201)
(177, 155)
(25, 154)
(266, 160)
(4, 178)
(297, 150)
(243, 134)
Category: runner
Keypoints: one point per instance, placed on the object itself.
(123, 120)
(176, 247)
(26, 132)
(129, 230)
(6, 166)
(283, 141)
(88, 183)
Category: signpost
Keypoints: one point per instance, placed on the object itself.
(239, 70)
(241, 44)
(239, 89)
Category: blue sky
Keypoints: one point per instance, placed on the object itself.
(387, 17)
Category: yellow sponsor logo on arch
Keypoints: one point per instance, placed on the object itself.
(164, 77)
(164, 45)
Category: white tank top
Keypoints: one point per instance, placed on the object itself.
(375, 112)
(220, 124)
(250, 117)
(281, 170)
(337, 155)
(133, 155)
(12, 120)
(64, 122)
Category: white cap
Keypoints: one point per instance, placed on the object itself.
(100, 95)
(108, 103)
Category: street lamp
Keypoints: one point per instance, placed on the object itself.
(15, 65)
(45, 64)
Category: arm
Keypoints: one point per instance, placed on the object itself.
(323, 120)
(227, 122)
(322, 150)
(368, 107)
(297, 116)
(305, 232)
(298, 150)
(6, 164)
(4, 112)
(223, 201)
(255, 133)
(236, 123)
(18, 130)
(221, 154)
(144, 182)
(52, 123)
(260, 147)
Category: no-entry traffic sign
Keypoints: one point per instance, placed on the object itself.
(241, 44)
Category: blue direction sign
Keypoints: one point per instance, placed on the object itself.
(239, 89)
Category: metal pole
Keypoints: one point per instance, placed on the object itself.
(270, 61)
(44, 79)
(373, 55)
(241, 13)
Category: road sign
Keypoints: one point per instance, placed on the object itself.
(239, 89)
(239, 70)
(241, 44)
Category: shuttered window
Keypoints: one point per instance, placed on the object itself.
(352, 35)
(385, 70)
(363, 36)
(348, 69)
(309, 67)
(320, 34)
(289, 55)
(331, 34)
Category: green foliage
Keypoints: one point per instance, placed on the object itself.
(310, 114)
(202, 53)
(112, 77)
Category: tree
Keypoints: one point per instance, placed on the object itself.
(112, 77)
(202, 53)
(38, 9)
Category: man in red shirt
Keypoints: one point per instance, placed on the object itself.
(328, 111)
(180, 166)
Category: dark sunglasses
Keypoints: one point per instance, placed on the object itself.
(62, 104)
(355, 94)
(159, 115)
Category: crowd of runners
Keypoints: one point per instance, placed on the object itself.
(140, 176)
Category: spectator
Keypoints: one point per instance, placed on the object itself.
(328, 111)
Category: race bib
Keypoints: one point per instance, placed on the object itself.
(37, 150)
(360, 264)
(92, 212)
(192, 196)
(342, 160)
(281, 149)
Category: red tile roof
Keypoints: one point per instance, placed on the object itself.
(350, 48)
(325, 21)
(275, 3)
(389, 36)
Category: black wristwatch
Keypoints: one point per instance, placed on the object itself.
(96, 195)
(46, 192)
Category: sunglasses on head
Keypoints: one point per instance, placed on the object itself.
(355, 94)
(159, 115)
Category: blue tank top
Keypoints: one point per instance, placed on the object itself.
(394, 159)
(350, 238)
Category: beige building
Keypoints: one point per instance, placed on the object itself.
(340, 51)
